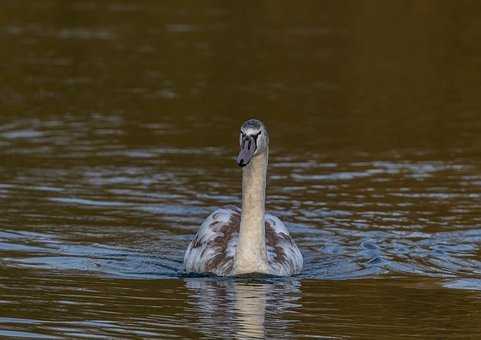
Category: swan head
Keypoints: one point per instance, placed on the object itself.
(253, 139)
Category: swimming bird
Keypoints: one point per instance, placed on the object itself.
(233, 241)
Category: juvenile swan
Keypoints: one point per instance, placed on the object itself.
(233, 241)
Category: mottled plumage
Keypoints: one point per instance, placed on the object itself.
(214, 246)
(235, 242)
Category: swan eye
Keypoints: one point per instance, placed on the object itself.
(257, 135)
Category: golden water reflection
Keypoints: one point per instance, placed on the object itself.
(119, 124)
(244, 308)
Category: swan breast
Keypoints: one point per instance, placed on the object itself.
(213, 248)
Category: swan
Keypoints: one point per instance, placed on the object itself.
(232, 241)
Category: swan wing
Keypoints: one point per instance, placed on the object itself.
(213, 248)
(283, 255)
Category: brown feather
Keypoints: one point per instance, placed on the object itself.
(213, 248)
(272, 240)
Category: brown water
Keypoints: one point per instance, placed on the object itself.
(118, 130)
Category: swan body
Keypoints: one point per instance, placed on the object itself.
(232, 241)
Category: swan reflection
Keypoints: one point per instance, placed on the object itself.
(243, 309)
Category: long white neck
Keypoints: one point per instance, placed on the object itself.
(251, 256)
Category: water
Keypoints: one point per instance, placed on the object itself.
(118, 132)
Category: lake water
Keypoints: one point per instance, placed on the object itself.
(119, 126)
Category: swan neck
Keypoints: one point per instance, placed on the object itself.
(251, 253)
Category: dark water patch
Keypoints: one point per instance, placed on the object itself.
(119, 126)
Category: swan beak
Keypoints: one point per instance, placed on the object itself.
(248, 148)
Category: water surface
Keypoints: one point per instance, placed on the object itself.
(118, 132)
